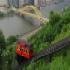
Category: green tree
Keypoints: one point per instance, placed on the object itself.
(2, 46)
(1, 14)
(11, 39)
(54, 17)
(66, 16)
(2, 41)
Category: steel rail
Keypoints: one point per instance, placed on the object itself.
(53, 48)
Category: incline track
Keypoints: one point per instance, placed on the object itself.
(53, 48)
(49, 51)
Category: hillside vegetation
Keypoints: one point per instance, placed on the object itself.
(59, 25)
(57, 29)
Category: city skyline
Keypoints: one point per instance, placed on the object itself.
(21, 2)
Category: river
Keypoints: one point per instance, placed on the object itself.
(15, 25)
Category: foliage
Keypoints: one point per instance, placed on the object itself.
(46, 34)
(2, 45)
(8, 57)
(1, 14)
(66, 16)
(54, 17)
(2, 40)
(59, 62)
(57, 29)
(11, 39)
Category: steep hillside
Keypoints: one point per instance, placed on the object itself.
(57, 29)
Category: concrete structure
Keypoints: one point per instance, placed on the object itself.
(19, 3)
(22, 2)
(3, 6)
(31, 2)
(35, 2)
(14, 3)
(40, 3)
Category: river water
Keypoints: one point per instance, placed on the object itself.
(14, 25)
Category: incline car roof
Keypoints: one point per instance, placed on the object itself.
(29, 45)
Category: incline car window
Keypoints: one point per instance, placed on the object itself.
(18, 47)
(24, 50)
(27, 51)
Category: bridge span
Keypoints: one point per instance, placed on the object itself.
(32, 12)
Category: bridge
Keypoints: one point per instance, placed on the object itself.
(34, 12)
(31, 11)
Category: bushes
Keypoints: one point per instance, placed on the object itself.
(54, 17)
(2, 41)
(11, 40)
(1, 14)
(2, 46)
(47, 33)
(9, 60)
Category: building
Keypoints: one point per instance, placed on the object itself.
(40, 3)
(31, 2)
(19, 3)
(35, 2)
(3, 6)
(14, 3)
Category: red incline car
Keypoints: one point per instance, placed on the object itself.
(24, 49)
